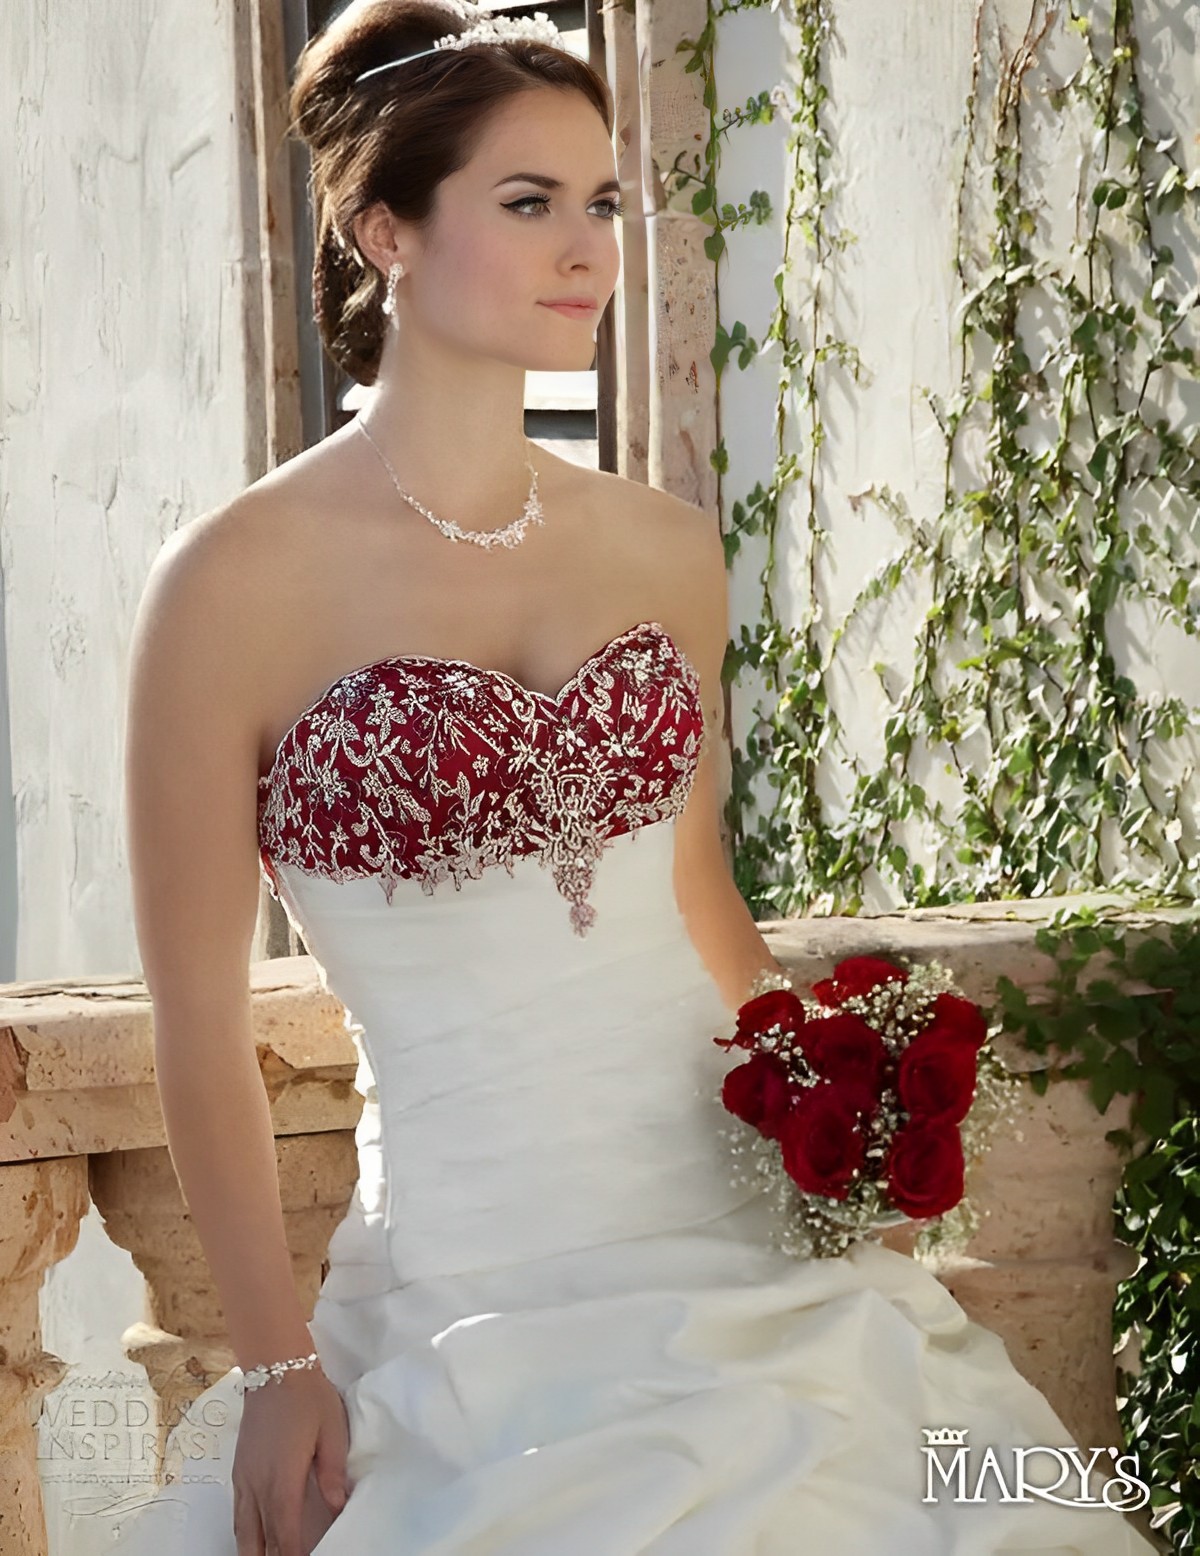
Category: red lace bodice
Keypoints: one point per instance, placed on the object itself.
(424, 768)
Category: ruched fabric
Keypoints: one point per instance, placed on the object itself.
(556, 1324)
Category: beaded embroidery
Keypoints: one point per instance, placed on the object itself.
(428, 769)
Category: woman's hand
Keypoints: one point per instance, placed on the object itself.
(289, 1467)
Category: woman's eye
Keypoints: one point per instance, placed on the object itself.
(615, 207)
(516, 205)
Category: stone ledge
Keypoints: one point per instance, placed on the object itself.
(77, 1061)
(978, 942)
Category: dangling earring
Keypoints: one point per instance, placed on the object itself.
(389, 302)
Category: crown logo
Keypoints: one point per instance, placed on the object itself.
(945, 1436)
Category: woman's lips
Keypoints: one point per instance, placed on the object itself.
(573, 310)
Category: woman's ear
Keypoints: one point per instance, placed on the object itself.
(376, 234)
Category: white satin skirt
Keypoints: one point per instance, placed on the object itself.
(556, 1324)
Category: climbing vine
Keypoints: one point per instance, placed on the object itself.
(1015, 688)
(1070, 486)
(1130, 1029)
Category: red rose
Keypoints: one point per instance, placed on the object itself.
(925, 1169)
(960, 1019)
(857, 975)
(935, 1078)
(759, 1092)
(821, 1143)
(851, 1055)
(777, 1007)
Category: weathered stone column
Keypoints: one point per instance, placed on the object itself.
(77, 1083)
(632, 303)
(41, 1206)
(683, 398)
(183, 1343)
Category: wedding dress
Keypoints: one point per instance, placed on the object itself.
(556, 1324)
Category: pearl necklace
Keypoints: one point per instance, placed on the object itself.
(511, 535)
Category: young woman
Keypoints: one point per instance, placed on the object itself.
(458, 700)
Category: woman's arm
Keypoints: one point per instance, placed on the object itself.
(719, 922)
(191, 763)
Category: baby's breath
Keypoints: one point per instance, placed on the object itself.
(807, 1225)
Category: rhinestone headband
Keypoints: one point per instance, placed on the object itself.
(493, 29)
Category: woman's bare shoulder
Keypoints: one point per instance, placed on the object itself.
(662, 556)
(668, 534)
(239, 553)
(656, 514)
(215, 603)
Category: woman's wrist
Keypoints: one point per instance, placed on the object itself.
(278, 1349)
(275, 1371)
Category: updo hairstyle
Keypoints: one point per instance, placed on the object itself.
(396, 135)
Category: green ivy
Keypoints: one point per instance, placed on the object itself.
(1024, 563)
(1159, 1207)
(1026, 559)
(1144, 1045)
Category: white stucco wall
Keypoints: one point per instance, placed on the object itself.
(123, 406)
(899, 74)
(122, 416)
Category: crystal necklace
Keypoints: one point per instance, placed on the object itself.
(511, 535)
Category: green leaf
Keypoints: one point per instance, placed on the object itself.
(1103, 1088)
(1157, 1110)
(1147, 960)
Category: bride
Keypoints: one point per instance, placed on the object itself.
(458, 699)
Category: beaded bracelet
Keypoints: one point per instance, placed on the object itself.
(257, 1376)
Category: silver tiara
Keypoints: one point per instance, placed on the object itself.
(492, 29)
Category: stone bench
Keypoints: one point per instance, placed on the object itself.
(80, 1123)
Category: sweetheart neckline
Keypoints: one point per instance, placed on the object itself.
(555, 698)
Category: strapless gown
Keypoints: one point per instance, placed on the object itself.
(556, 1324)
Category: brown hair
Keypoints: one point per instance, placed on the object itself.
(396, 135)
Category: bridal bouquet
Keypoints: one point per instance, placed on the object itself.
(863, 1106)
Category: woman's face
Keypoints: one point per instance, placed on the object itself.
(502, 247)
